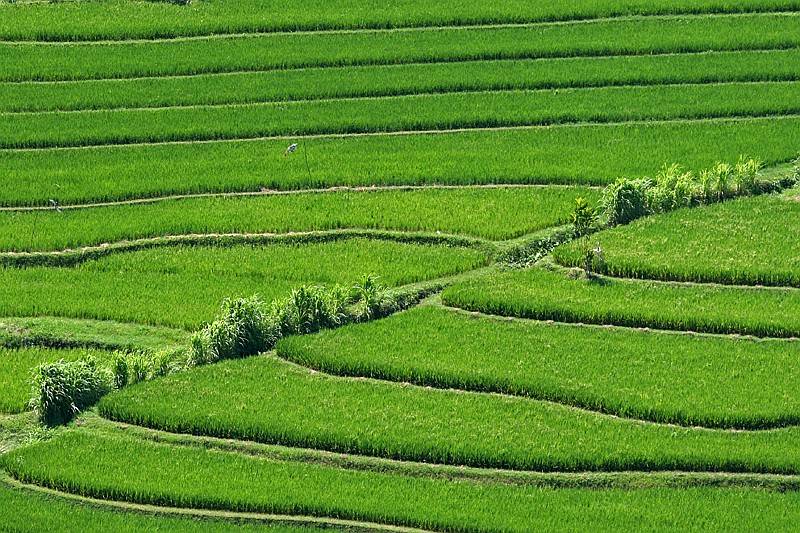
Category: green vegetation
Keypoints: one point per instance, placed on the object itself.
(401, 113)
(129, 469)
(267, 400)
(27, 510)
(747, 241)
(746, 384)
(182, 286)
(558, 295)
(494, 213)
(295, 50)
(56, 332)
(65, 388)
(17, 369)
(118, 19)
(391, 80)
(558, 154)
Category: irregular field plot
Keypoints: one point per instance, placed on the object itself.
(182, 286)
(268, 400)
(27, 510)
(104, 466)
(17, 367)
(558, 154)
(121, 19)
(747, 241)
(691, 380)
(399, 113)
(556, 295)
(341, 82)
(500, 213)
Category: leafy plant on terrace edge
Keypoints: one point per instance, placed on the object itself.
(62, 389)
(247, 326)
(673, 187)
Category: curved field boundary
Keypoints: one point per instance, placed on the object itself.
(627, 479)
(386, 350)
(76, 256)
(681, 15)
(406, 133)
(277, 519)
(288, 192)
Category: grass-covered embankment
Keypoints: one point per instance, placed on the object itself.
(689, 380)
(575, 154)
(566, 296)
(134, 470)
(492, 213)
(182, 286)
(268, 400)
(751, 241)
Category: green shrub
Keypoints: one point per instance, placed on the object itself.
(625, 200)
(371, 298)
(62, 389)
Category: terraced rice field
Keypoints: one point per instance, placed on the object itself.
(400, 181)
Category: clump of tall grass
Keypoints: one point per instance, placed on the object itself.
(674, 187)
(247, 326)
(64, 388)
(132, 367)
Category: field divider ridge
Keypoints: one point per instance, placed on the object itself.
(238, 516)
(288, 192)
(69, 257)
(589, 479)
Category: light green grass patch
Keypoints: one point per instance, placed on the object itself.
(182, 286)
(268, 400)
(750, 241)
(496, 213)
(558, 295)
(370, 81)
(399, 113)
(690, 380)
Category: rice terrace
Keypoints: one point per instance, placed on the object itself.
(362, 265)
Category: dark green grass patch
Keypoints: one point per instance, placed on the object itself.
(292, 50)
(267, 400)
(27, 510)
(496, 213)
(317, 83)
(182, 286)
(556, 295)
(145, 472)
(120, 19)
(690, 380)
(16, 372)
(399, 113)
(751, 241)
(558, 154)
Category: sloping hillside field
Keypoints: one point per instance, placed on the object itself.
(399, 266)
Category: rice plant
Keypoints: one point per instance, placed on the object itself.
(748, 384)
(400, 421)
